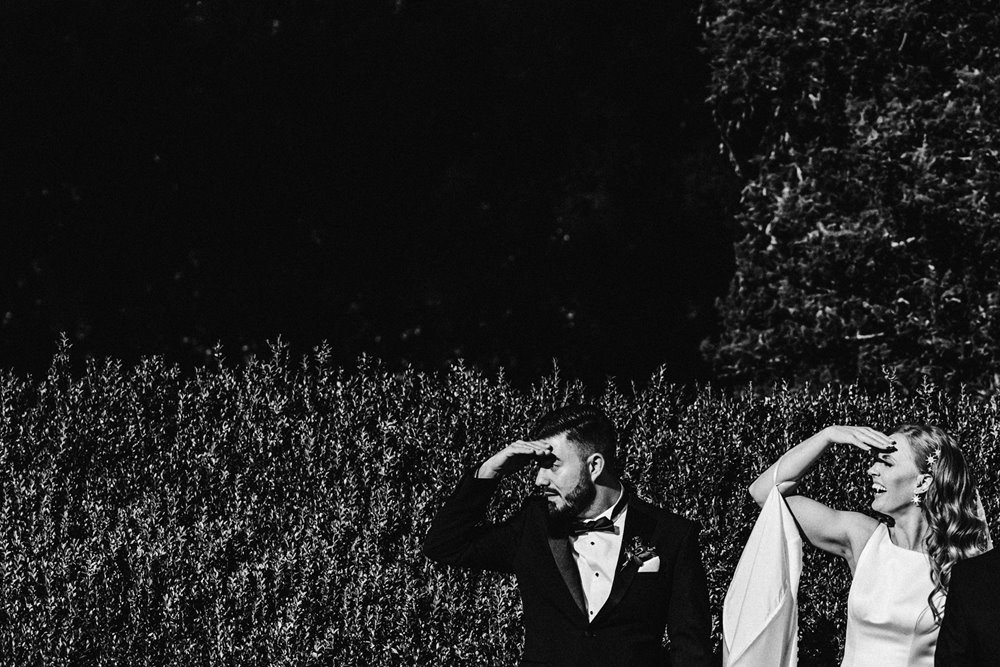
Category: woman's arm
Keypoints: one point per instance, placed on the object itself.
(838, 532)
(800, 459)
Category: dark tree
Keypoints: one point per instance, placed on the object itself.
(505, 182)
(867, 134)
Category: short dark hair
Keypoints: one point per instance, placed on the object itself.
(587, 426)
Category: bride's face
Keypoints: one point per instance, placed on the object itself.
(895, 478)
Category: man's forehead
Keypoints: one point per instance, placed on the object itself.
(561, 446)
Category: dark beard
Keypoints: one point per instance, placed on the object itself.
(579, 498)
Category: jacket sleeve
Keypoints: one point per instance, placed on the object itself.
(689, 622)
(460, 535)
(953, 649)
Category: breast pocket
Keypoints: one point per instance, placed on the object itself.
(650, 566)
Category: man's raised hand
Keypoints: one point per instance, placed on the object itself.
(513, 457)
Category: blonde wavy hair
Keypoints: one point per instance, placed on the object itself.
(950, 506)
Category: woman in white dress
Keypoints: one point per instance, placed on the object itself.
(900, 568)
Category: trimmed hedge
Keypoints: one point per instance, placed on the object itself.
(272, 513)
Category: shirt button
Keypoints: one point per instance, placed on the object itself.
(588, 633)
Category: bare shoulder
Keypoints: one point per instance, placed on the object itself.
(835, 531)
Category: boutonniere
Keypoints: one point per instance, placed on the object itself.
(638, 552)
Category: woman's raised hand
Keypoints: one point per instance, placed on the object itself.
(862, 437)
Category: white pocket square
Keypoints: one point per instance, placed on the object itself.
(651, 565)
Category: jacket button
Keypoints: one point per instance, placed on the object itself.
(588, 633)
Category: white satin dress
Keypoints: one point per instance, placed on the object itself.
(889, 622)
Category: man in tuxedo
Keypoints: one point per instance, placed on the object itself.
(601, 573)
(970, 631)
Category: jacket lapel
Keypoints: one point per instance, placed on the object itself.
(638, 523)
(559, 546)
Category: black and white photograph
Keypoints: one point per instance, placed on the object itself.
(500, 333)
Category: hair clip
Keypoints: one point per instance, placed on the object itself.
(932, 458)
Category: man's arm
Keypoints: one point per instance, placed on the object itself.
(460, 535)
(953, 649)
(689, 622)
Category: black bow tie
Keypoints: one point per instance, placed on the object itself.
(602, 525)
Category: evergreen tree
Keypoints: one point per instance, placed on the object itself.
(868, 135)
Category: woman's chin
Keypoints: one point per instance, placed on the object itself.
(880, 505)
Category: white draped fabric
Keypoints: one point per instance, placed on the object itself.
(760, 614)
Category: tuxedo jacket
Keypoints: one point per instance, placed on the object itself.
(970, 631)
(629, 628)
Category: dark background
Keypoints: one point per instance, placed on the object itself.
(504, 182)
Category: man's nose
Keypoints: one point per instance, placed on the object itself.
(871, 471)
(540, 478)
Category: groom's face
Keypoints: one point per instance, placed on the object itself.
(565, 480)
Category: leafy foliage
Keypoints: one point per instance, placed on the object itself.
(867, 133)
(272, 513)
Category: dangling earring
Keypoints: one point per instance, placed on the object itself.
(917, 497)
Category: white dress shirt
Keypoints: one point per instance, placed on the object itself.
(596, 556)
